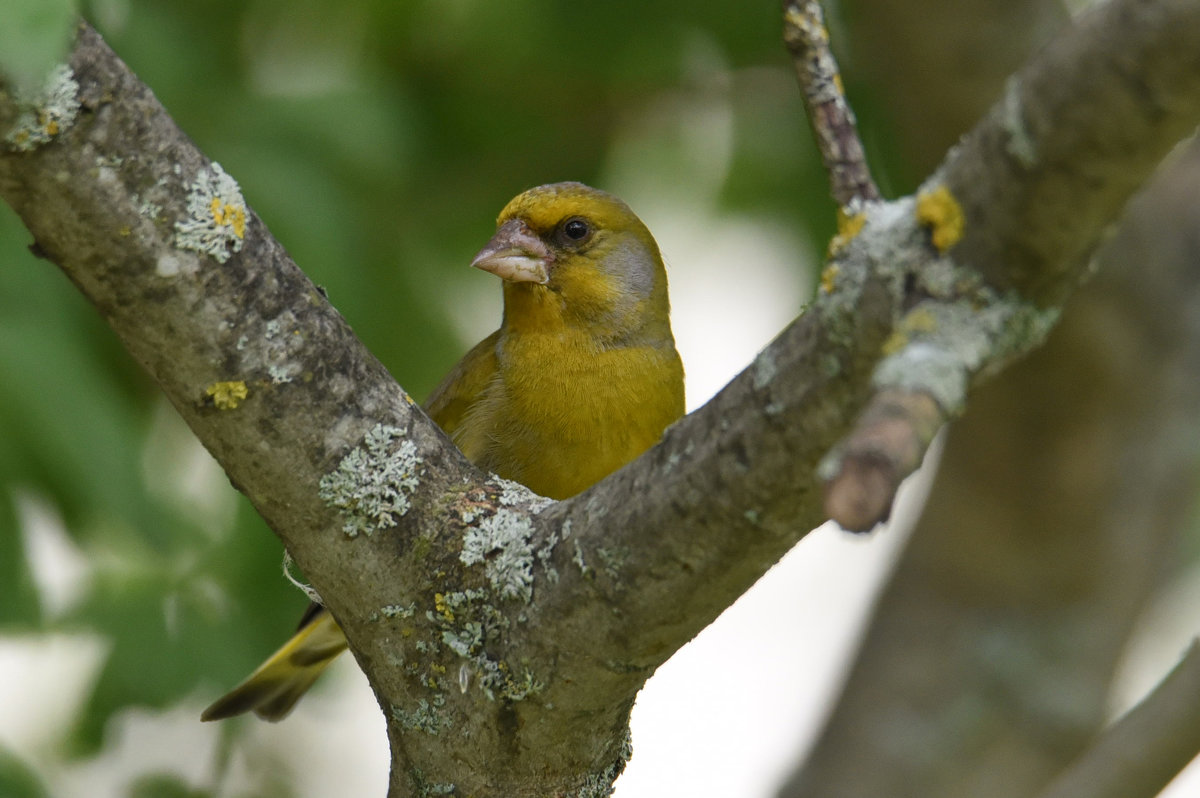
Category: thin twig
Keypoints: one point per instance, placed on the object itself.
(888, 444)
(807, 40)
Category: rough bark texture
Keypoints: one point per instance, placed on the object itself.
(505, 644)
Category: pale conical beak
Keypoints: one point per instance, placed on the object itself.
(515, 254)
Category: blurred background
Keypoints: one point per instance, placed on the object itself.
(1049, 582)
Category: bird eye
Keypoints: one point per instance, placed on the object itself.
(576, 229)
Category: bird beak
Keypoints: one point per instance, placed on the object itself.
(515, 254)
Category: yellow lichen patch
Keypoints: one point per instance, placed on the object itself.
(215, 223)
(227, 395)
(940, 212)
(829, 274)
(920, 320)
(234, 216)
(894, 343)
(849, 226)
(443, 608)
(917, 323)
(43, 112)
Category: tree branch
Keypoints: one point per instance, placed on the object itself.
(474, 614)
(807, 39)
(1084, 121)
(1142, 751)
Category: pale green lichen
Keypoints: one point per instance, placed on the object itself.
(426, 717)
(147, 207)
(399, 610)
(613, 560)
(426, 788)
(956, 342)
(372, 484)
(469, 622)
(45, 113)
(512, 493)
(881, 254)
(578, 558)
(280, 374)
(545, 555)
(216, 216)
(600, 785)
(278, 348)
(464, 641)
(498, 682)
(502, 543)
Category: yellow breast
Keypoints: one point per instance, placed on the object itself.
(559, 415)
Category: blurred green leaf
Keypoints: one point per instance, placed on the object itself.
(35, 36)
(17, 779)
(200, 620)
(20, 607)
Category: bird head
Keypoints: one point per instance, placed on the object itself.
(575, 255)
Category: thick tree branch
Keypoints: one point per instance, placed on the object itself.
(1139, 754)
(1021, 203)
(475, 616)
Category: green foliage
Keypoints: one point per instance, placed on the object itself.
(17, 779)
(35, 36)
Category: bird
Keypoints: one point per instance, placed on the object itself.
(581, 377)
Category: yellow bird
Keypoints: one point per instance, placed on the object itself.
(581, 378)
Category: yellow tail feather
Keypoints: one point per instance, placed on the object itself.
(276, 685)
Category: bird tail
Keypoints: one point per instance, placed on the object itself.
(276, 685)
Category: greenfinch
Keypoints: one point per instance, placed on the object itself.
(580, 379)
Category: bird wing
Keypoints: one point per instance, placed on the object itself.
(460, 389)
